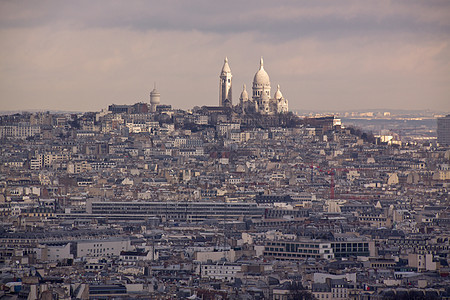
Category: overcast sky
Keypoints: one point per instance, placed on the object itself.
(335, 55)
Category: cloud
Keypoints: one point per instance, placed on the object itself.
(262, 16)
(325, 54)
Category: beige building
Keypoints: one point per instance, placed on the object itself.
(107, 247)
(423, 262)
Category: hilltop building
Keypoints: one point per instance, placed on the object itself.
(261, 102)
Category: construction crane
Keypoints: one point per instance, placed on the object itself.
(330, 172)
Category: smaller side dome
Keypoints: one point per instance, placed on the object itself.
(244, 94)
(278, 95)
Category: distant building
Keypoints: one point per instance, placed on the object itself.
(443, 130)
(137, 108)
(102, 247)
(221, 271)
(302, 249)
(332, 289)
(298, 250)
(118, 109)
(20, 131)
(140, 108)
(324, 123)
(155, 99)
(261, 102)
(178, 211)
(163, 108)
(225, 88)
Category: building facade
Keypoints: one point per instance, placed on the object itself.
(178, 211)
(443, 130)
(102, 247)
(319, 249)
(298, 250)
(20, 131)
(220, 271)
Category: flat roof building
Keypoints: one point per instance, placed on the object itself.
(178, 211)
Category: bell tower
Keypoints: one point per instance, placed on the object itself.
(225, 87)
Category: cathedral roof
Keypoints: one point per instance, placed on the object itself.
(278, 94)
(244, 94)
(154, 92)
(154, 96)
(226, 67)
(261, 77)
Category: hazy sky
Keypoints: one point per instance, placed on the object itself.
(336, 55)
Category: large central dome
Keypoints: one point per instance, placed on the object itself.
(261, 77)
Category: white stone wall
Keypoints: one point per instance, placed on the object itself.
(102, 247)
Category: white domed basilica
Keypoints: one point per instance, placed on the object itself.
(261, 101)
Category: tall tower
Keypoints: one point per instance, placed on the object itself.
(225, 92)
(155, 99)
(443, 130)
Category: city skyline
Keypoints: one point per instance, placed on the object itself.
(357, 55)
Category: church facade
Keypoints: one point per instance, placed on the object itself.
(261, 102)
